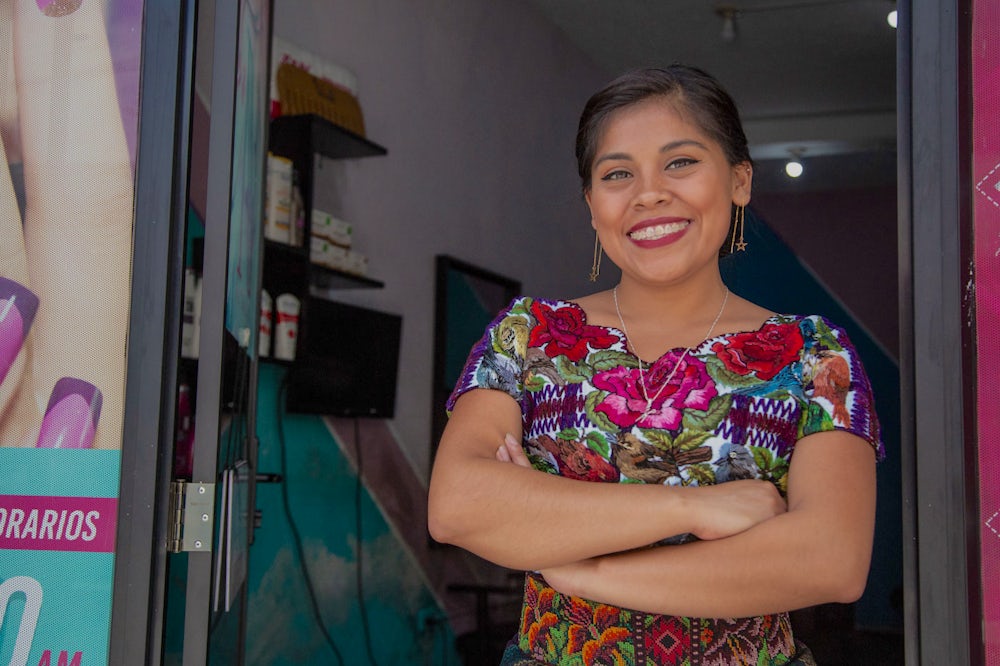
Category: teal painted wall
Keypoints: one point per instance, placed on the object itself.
(321, 487)
(406, 625)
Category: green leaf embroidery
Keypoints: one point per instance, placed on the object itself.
(700, 474)
(521, 307)
(573, 373)
(606, 359)
(534, 383)
(687, 440)
(598, 443)
(709, 419)
(559, 638)
(826, 337)
(659, 438)
(724, 377)
(763, 457)
(568, 434)
(816, 419)
(542, 464)
(599, 419)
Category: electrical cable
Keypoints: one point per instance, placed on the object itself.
(359, 576)
(296, 536)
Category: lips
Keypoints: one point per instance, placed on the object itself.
(658, 231)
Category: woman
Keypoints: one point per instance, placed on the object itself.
(686, 400)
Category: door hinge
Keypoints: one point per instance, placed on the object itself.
(192, 513)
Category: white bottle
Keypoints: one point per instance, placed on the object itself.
(286, 328)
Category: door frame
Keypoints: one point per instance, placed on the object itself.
(937, 371)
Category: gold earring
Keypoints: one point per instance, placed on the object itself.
(739, 245)
(595, 269)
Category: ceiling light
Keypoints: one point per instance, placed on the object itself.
(793, 167)
(728, 16)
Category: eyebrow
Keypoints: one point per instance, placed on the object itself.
(665, 148)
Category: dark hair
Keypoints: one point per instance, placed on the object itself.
(693, 90)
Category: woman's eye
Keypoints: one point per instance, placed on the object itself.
(681, 162)
(617, 174)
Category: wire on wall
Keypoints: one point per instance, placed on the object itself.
(359, 575)
(296, 535)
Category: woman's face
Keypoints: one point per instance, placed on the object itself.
(661, 194)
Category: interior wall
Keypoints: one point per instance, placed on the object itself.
(477, 103)
(826, 227)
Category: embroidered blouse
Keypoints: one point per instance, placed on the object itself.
(734, 409)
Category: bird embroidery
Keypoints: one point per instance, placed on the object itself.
(735, 462)
(576, 460)
(831, 379)
(642, 461)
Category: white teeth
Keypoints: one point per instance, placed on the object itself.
(658, 231)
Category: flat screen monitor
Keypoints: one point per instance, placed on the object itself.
(346, 362)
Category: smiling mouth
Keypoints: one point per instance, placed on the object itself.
(658, 231)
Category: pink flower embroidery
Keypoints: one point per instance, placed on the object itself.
(625, 405)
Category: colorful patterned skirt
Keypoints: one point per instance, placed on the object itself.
(561, 630)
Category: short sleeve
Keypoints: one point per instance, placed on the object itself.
(837, 390)
(497, 359)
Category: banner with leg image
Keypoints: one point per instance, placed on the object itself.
(69, 86)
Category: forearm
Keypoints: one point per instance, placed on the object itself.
(817, 552)
(779, 565)
(525, 519)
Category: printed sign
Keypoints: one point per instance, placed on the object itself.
(58, 516)
(69, 100)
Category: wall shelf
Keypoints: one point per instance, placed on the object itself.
(294, 136)
(288, 268)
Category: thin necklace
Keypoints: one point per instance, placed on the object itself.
(687, 350)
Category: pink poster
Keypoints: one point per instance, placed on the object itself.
(986, 176)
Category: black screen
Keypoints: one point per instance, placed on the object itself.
(346, 361)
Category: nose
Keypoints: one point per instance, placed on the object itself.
(652, 191)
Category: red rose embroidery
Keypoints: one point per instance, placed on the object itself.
(562, 332)
(764, 352)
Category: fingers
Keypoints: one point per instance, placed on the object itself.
(502, 454)
(18, 414)
(515, 451)
(511, 451)
(13, 263)
(78, 208)
(18, 306)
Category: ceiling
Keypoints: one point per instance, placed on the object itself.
(812, 76)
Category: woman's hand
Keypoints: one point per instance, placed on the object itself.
(729, 508)
(511, 451)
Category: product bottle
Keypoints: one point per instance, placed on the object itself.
(286, 329)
